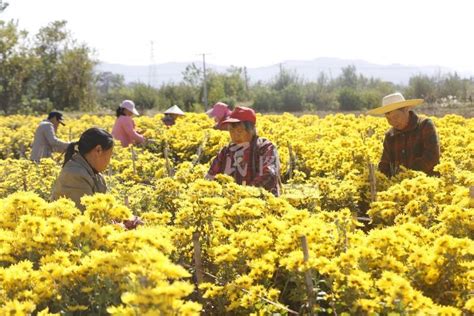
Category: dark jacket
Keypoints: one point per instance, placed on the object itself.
(77, 178)
(416, 147)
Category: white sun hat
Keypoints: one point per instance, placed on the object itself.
(129, 105)
(393, 102)
(174, 110)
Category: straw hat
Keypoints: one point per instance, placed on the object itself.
(174, 110)
(393, 102)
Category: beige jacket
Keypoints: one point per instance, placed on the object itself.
(45, 142)
(76, 180)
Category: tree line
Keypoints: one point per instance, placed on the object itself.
(51, 70)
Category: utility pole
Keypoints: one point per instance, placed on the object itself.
(246, 78)
(205, 80)
(152, 66)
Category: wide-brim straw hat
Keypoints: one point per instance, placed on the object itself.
(174, 110)
(393, 102)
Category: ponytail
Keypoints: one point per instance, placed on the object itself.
(70, 151)
(89, 140)
(120, 111)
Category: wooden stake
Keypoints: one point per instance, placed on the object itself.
(471, 192)
(307, 275)
(200, 150)
(167, 160)
(133, 160)
(126, 201)
(373, 183)
(70, 134)
(22, 150)
(25, 187)
(198, 261)
(291, 162)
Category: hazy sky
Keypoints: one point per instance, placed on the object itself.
(259, 32)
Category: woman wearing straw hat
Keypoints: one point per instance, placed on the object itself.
(171, 115)
(412, 141)
(124, 127)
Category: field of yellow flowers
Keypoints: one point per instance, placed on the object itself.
(415, 256)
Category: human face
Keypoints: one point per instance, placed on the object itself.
(127, 112)
(55, 122)
(238, 133)
(398, 118)
(99, 158)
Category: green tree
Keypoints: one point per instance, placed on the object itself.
(292, 98)
(453, 85)
(181, 94)
(234, 84)
(110, 89)
(348, 78)
(284, 79)
(421, 86)
(216, 88)
(349, 99)
(145, 96)
(74, 80)
(65, 74)
(266, 99)
(193, 75)
(16, 66)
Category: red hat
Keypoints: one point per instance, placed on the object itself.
(241, 114)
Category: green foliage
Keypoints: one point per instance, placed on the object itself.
(111, 90)
(348, 78)
(349, 99)
(16, 66)
(421, 86)
(182, 94)
(265, 99)
(145, 96)
(52, 70)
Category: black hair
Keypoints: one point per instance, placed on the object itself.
(89, 140)
(120, 111)
(250, 127)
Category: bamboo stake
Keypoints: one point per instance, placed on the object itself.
(167, 160)
(373, 183)
(198, 260)
(291, 162)
(133, 159)
(307, 275)
(200, 150)
(22, 150)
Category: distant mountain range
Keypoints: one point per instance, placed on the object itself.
(308, 69)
